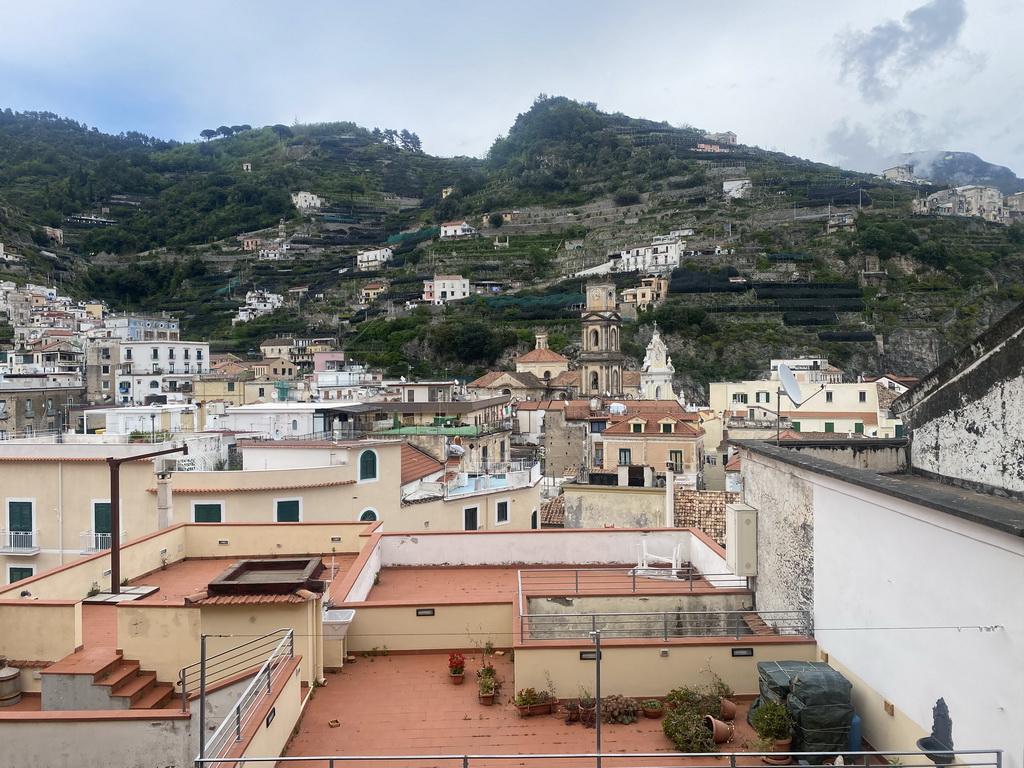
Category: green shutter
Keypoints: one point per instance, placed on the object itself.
(288, 511)
(16, 573)
(796, 426)
(858, 429)
(207, 513)
(19, 516)
(101, 517)
(899, 430)
(830, 426)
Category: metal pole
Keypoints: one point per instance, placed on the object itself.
(596, 634)
(202, 697)
(115, 525)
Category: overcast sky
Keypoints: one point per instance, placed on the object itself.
(846, 83)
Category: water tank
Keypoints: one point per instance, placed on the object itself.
(10, 684)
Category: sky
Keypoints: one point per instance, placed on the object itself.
(852, 84)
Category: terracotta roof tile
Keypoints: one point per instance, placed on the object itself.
(250, 599)
(733, 465)
(542, 356)
(328, 484)
(417, 464)
(552, 512)
(704, 510)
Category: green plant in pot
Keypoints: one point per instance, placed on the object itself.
(773, 723)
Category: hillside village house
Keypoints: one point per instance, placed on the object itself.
(307, 201)
(969, 200)
(161, 369)
(452, 229)
(373, 258)
(445, 288)
(371, 292)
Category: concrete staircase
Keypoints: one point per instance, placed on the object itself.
(102, 679)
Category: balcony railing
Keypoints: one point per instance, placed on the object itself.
(19, 542)
(92, 542)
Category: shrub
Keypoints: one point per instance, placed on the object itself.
(619, 709)
(686, 729)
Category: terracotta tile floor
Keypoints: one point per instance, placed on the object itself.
(406, 705)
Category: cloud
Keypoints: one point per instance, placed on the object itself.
(873, 148)
(880, 59)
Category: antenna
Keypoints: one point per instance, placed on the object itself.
(790, 385)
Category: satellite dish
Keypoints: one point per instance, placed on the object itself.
(789, 384)
(274, 395)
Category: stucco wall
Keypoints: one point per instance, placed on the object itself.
(452, 626)
(164, 637)
(593, 506)
(924, 582)
(642, 671)
(785, 532)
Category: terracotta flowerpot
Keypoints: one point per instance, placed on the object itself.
(721, 731)
(487, 699)
(530, 710)
(728, 710)
(781, 747)
(457, 679)
(653, 712)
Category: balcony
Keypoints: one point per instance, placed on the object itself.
(91, 542)
(19, 542)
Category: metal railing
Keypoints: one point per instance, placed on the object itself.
(664, 625)
(267, 680)
(978, 758)
(91, 542)
(577, 581)
(227, 663)
(13, 542)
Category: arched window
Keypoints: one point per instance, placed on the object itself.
(295, 425)
(368, 465)
(657, 393)
(547, 375)
(154, 385)
(594, 339)
(615, 382)
(367, 516)
(593, 381)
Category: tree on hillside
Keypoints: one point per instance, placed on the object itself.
(237, 129)
(283, 131)
(410, 141)
(225, 130)
(208, 133)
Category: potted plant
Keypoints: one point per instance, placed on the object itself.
(653, 708)
(487, 671)
(456, 667)
(572, 711)
(486, 687)
(685, 727)
(588, 707)
(530, 701)
(725, 693)
(772, 722)
(619, 709)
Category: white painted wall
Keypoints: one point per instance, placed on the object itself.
(883, 566)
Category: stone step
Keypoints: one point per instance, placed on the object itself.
(156, 698)
(134, 688)
(116, 676)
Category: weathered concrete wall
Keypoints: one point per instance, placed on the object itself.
(33, 741)
(565, 444)
(877, 457)
(784, 501)
(598, 506)
(967, 416)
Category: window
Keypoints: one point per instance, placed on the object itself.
(295, 425)
(862, 397)
(104, 385)
(156, 353)
(185, 353)
(501, 513)
(593, 381)
(666, 429)
(170, 353)
(899, 430)
(262, 392)
(128, 354)
(367, 516)
(368, 465)
(830, 426)
(211, 512)
(828, 397)
(101, 530)
(858, 429)
(104, 369)
(739, 397)
(105, 353)
(625, 456)
(29, 413)
(19, 572)
(763, 397)
(637, 428)
(287, 510)
(20, 517)
(598, 426)
(598, 458)
(676, 457)
(470, 519)
(199, 354)
(231, 386)
(796, 426)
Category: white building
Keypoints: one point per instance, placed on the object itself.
(661, 254)
(307, 201)
(969, 200)
(258, 304)
(373, 258)
(657, 371)
(457, 229)
(445, 288)
(737, 188)
(159, 368)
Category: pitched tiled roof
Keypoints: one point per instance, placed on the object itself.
(417, 464)
(733, 465)
(652, 426)
(631, 378)
(566, 379)
(704, 510)
(552, 512)
(542, 356)
(261, 488)
(487, 379)
(243, 599)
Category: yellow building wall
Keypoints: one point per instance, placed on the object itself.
(451, 627)
(642, 671)
(63, 493)
(36, 630)
(447, 514)
(270, 740)
(164, 638)
(203, 539)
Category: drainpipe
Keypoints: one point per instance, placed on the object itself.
(60, 510)
(670, 496)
